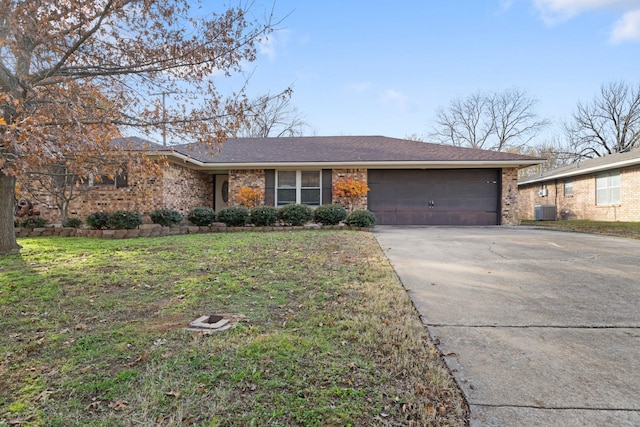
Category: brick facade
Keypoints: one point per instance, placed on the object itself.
(176, 187)
(509, 197)
(184, 189)
(357, 174)
(181, 188)
(252, 178)
(582, 203)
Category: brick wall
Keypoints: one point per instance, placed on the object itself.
(185, 189)
(359, 174)
(252, 178)
(509, 197)
(176, 187)
(582, 203)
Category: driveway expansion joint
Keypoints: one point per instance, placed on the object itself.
(554, 408)
(454, 325)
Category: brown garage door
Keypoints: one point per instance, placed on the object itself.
(435, 197)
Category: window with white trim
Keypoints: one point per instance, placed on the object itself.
(568, 187)
(608, 189)
(303, 187)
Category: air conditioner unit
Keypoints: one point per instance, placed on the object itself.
(545, 212)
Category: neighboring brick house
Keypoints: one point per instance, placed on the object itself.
(410, 182)
(603, 189)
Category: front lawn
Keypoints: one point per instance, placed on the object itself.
(92, 334)
(610, 228)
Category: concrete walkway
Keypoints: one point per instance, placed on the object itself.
(540, 328)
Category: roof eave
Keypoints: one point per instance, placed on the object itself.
(399, 164)
(582, 171)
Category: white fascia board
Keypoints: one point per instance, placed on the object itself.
(584, 171)
(350, 165)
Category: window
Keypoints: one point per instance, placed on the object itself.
(108, 180)
(568, 187)
(608, 189)
(298, 187)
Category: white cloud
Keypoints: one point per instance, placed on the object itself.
(400, 99)
(627, 28)
(555, 11)
(274, 44)
(267, 47)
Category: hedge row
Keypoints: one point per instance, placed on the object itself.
(236, 216)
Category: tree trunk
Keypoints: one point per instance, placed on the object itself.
(7, 210)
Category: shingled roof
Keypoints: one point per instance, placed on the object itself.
(598, 164)
(362, 151)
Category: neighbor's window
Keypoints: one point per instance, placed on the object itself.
(608, 189)
(298, 187)
(568, 187)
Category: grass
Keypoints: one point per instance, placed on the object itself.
(609, 228)
(93, 334)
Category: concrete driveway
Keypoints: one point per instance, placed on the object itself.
(540, 328)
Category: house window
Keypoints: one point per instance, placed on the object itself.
(298, 187)
(108, 180)
(608, 189)
(568, 187)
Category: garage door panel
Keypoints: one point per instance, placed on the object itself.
(435, 197)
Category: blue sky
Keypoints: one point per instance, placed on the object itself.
(383, 68)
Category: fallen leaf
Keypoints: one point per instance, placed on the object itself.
(173, 393)
(92, 406)
(140, 358)
(81, 327)
(119, 405)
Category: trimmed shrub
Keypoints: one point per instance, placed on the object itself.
(201, 216)
(72, 223)
(98, 220)
(295, 214)
(234, 216)
(329, 214)
(361, 218)
(263, 216)
(127, 220)
(165, 217)
(33, 222)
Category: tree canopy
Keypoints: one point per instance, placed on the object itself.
(73, 74)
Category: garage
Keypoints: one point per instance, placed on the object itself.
(435, 196)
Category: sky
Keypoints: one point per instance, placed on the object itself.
(384, 68)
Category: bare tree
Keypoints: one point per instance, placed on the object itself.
(74, 72)
(610, 123)
(54, 184)
(466, 122)
(414, 137)
(555, 152)
(58, 185)
(496, 121)
(515, 122)
(273, 116)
